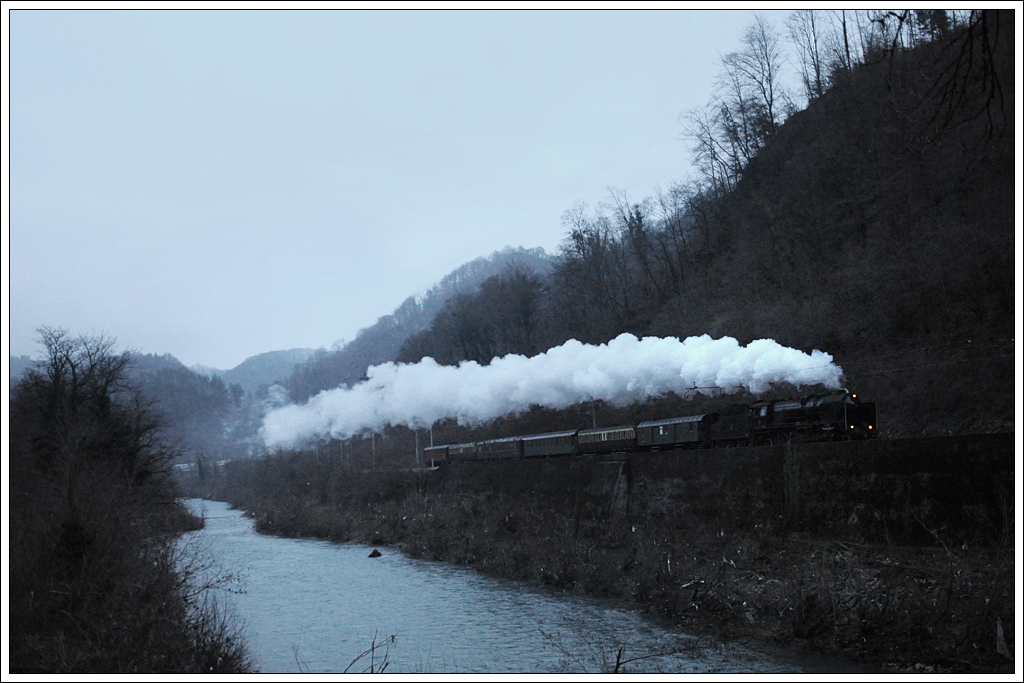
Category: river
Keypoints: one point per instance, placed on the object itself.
(315, 606)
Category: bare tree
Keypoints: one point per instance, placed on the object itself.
(839, 43)
(756, 71)
(95, 586)
(713, 158)
(971, 80)
(745, 111)
(805, 30)
(79, 407)
(594, 275)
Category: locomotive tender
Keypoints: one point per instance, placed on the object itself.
(819, 417)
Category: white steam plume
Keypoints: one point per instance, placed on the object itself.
(623, 371)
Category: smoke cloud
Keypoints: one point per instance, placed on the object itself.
(623, 371)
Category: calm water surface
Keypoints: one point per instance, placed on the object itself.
(314, 606)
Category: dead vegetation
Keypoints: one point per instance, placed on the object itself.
(933, 607)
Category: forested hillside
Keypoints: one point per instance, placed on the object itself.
(199, 414)
(266, 368)
(877, 224)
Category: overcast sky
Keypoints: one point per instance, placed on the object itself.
(215, 185)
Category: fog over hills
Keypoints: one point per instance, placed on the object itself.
(266, 368)
(261, 369)
(325, 367)
(19, 365)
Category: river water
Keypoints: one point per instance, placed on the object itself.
(315, 606)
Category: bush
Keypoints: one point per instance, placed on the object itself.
(95, 575)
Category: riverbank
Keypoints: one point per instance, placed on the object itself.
(901, 608)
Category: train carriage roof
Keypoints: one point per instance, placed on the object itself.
(674, 420)
(504, 439)
(601, 430)
(549, 435)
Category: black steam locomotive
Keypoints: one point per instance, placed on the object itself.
(821, 417)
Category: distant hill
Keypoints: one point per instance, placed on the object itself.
(382, 341)
(19, 366)
(196, 410)
(265, 368)
(262, 369)
(205, 370)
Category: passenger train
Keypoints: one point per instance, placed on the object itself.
(820, 417)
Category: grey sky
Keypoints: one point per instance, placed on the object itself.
(219, 184)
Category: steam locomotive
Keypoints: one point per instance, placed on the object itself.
(819, 417)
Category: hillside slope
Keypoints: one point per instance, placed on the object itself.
(876, 225)
(879, 226)
(266, 368)
(382, 341)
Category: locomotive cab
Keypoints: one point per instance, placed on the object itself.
(838, 414)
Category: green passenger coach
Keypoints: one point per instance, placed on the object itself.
(675, 432)
(608, 440)
(555, 443)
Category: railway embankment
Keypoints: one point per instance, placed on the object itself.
(898, 554)
(953, 490)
